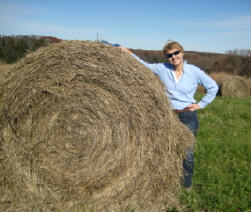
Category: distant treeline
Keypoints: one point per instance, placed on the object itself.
(12, 48)
(209, 62)
(242, 52)
(234, 62)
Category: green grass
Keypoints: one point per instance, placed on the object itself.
(221, 179)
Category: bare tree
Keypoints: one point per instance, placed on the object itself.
(241, 52)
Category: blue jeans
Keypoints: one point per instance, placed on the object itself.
(190, 119)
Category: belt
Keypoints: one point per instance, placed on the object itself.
(180, 111)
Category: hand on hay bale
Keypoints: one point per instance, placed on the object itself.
(85, 125)
(123, 49)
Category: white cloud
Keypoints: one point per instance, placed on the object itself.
(239, 22)
(19, 10)
(61, 31)
(36, 28)
(16, 19)
(237, 27)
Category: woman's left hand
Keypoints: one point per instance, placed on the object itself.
(192, 107)
(123, 49)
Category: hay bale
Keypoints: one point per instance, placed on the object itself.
(234, 86)
(86, 127)
(231, 85)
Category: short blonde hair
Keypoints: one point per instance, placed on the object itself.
(172, 45)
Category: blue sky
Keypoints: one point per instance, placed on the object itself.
(199, 25)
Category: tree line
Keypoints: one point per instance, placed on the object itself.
(209, 62)
(12, 48)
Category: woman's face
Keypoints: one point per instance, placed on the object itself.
(175, 57)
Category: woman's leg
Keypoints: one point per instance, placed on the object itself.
(190, 119)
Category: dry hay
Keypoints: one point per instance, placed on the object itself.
(220, 76)
(248, 82)
(4, 70)
(231, 85)
(86, 127)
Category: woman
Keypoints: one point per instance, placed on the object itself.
(181, 81)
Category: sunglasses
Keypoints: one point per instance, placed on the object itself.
(174, 53)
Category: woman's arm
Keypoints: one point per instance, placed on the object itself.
(210, 86)
(153, 67)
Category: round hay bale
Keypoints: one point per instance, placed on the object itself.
(86, 127)
(234, 86)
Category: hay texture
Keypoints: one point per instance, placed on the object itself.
(85, 127)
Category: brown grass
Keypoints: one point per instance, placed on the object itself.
(220, 76)
(84, 125)
(248, 82)
(201, 89)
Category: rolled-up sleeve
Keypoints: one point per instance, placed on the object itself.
(211, 88)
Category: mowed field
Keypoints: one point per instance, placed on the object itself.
(222, 179)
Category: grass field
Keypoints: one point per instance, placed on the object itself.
(222, 158)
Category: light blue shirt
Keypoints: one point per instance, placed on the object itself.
(181, 93)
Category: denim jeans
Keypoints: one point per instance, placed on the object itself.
(190, 119)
